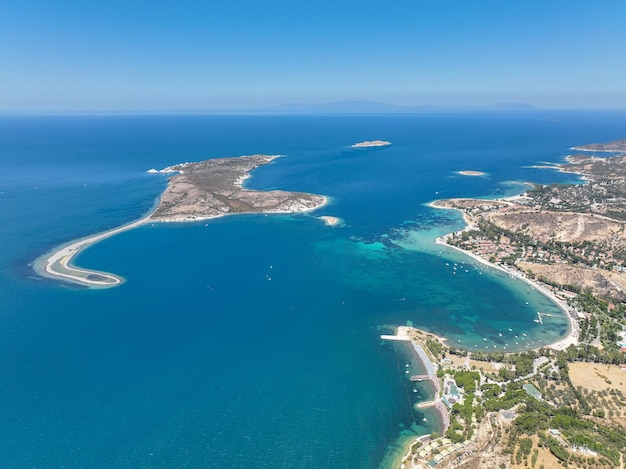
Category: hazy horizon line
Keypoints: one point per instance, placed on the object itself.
(269, 111)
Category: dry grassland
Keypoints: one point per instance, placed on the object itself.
(597, 377)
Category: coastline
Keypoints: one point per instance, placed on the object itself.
(216, 187)
(192, 218)
(58, 264)
(561, 344)
(414, 337)
(591, 150)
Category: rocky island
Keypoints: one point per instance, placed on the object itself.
(214, 188)
(471, 173)
(371, 143)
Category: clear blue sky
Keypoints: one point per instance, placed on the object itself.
(133, 55)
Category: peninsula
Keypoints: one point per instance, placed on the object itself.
(616, 146)
(197, 191)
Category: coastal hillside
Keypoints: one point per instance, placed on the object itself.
(549, 408)
(571, 235)
(614, 146)
(561, 227)
(579, 250)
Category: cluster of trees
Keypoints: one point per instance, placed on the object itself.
(525, 447)
(588, 329)
(537, 417)
(485, 230)
(435, 347)
(467, 380)
(593, 435)
(522, 362)
(576, 414)
(580, 197)
(460, 428)
(555, 448)
(457, 431)
(572, 419)
(589, 353)
(610, 321)
(514, 395)
(613, 399)
(457, 351)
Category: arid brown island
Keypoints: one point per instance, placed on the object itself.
(213, 188)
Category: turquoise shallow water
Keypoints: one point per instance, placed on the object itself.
(199, 360)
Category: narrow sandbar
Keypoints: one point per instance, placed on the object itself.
(59, 263)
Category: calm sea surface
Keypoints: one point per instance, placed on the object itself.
(199, 359)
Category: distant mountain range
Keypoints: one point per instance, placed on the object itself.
(511, 107)
(374, 106)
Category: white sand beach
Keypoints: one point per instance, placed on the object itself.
(572, 336)
(59, 263)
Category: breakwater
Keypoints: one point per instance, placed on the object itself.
(428, 365)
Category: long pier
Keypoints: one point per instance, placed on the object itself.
(431, 375)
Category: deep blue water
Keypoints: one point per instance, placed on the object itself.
(198, 360)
